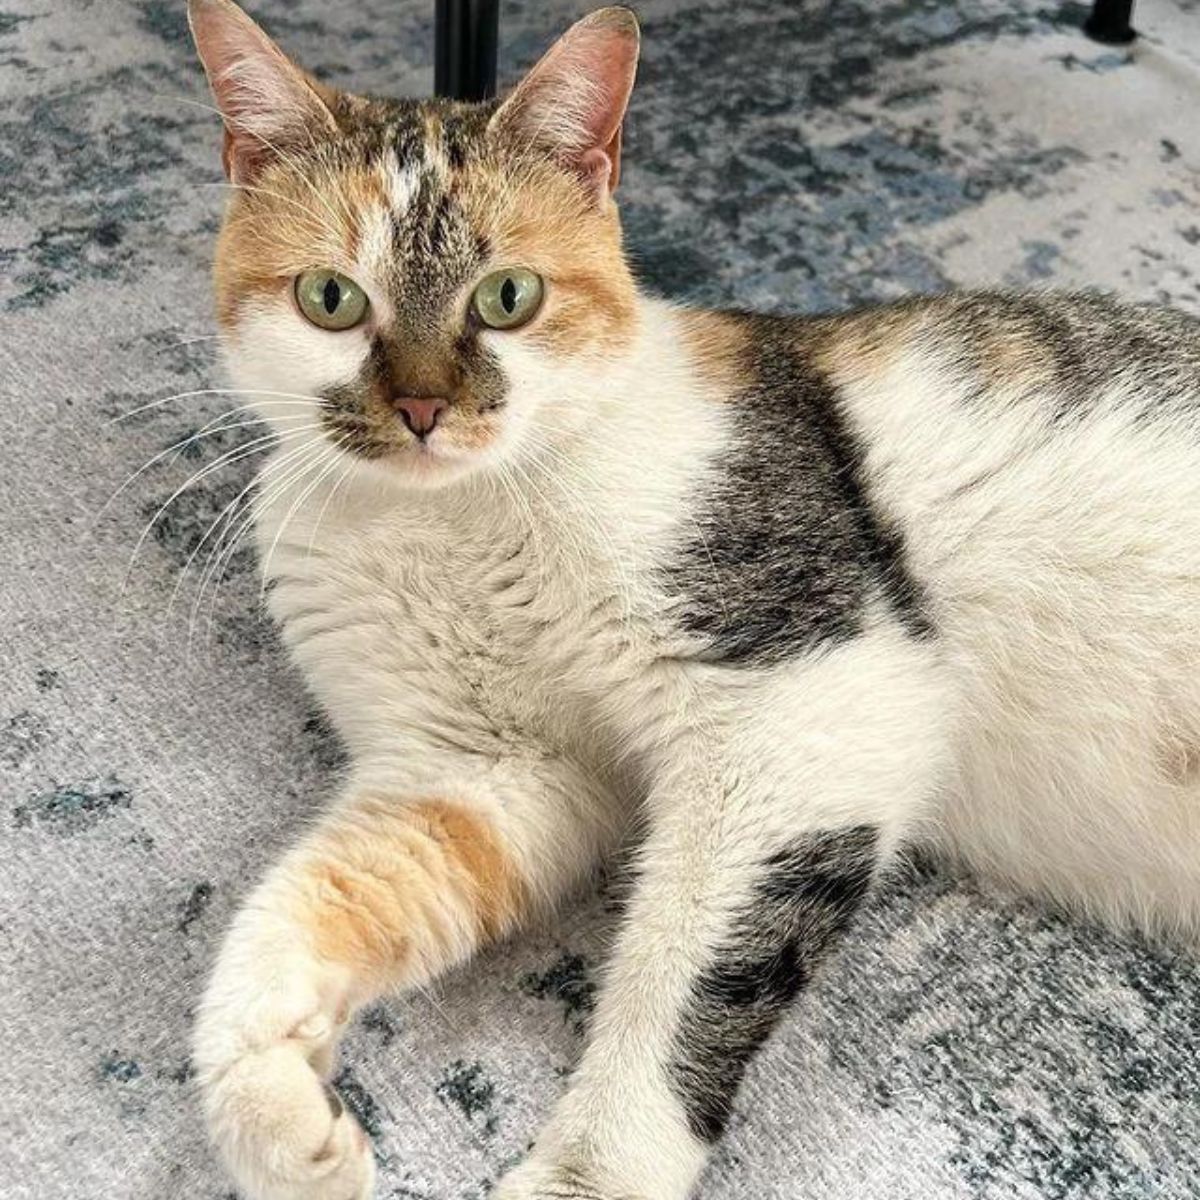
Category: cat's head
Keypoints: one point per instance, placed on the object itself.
(443, 277)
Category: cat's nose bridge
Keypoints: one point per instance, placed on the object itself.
(418, 368)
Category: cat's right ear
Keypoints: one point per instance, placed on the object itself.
(268, 103)
(572, 104)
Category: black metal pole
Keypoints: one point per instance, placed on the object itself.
(1110, 22)
(466, 36)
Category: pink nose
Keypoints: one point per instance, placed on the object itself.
(420, 413)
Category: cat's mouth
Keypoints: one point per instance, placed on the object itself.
(429, 435)
(423, 454)
(424, 439)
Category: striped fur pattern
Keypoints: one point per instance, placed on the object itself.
(789, 595)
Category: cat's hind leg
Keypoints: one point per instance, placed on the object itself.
(396, 884)
(768, 822)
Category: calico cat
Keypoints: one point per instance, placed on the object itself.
(791, 594)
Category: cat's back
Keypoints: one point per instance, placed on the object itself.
(1022, 428)
(1066, 353)
(1040, 458)
(938, 446)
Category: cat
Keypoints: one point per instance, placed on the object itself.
(792, 595)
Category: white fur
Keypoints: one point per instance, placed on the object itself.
(402, 183)
(275, 351)
(1067, 588)
(503, 640)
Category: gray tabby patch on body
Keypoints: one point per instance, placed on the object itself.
(558, 558)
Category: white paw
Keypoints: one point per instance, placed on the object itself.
(282, 1131)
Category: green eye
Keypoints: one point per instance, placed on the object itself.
(330, 300)
(506, 299)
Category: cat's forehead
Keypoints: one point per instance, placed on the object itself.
(414, 174)
(431, 134)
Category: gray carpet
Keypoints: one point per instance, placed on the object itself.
(779, 155)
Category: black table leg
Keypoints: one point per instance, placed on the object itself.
(466, 33)
(1110, 22)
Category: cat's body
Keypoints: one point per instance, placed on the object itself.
(1051, 552)
(789, 595)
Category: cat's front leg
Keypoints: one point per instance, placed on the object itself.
(398, 882)
(766, 832)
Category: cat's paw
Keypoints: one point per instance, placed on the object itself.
(282, 1131)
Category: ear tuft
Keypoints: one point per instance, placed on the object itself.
(267, 102)
(573, 102)
(614, 16)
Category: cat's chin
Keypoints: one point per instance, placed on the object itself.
(423, 468)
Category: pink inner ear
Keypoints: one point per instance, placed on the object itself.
(265, 99)
(602, 68)
(574, 99)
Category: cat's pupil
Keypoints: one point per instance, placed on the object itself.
(508, 295)
(331, 296)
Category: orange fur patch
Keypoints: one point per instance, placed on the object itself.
(1015, 358)
(287, 223)
(861, 345)
(538, 218)
(472, 844)
(394, 880)
(1010, 355)
(717, 343)
(531, 213)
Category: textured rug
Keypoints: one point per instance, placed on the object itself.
(156, 752)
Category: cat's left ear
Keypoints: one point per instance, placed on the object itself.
(269, 104)
(573, 102)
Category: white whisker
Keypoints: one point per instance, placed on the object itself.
(285, 469)
(321, 474)
(228, 510)
(257, 190)
(347, 471)
(227, 459)
(133, 412)
(205, 431)
(210, 337)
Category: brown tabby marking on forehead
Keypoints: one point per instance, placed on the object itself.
(477, 201)
(435, 156)
(313, 206)
(362, 193)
